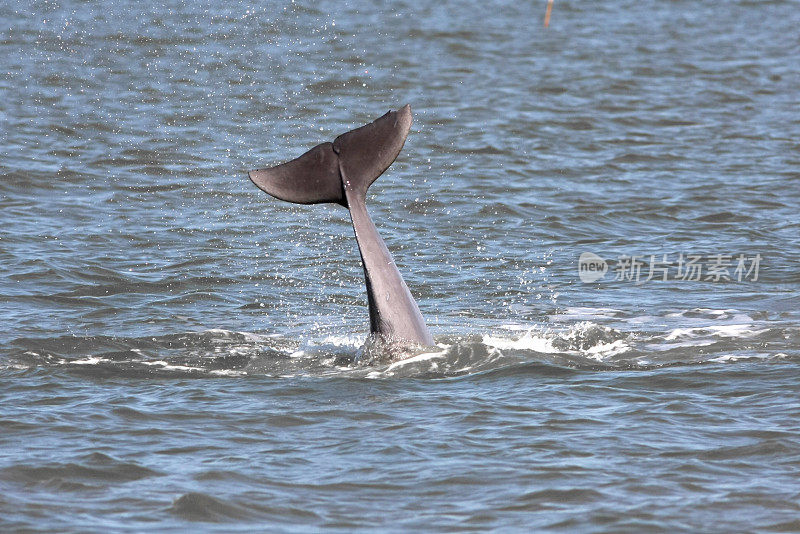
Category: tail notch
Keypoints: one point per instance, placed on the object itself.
(352, 162)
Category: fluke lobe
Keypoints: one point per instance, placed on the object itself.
(340, 173)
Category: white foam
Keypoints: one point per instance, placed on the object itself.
(311, 346)
(605, 350)
(90, 360)
(528, 341)
(663, 347)
(168, 367)
(728, 330)
(350, 340)
(737, 357)
(227, 372)
(16, 366)
(425, 356)
(544, 342)
(248, 336)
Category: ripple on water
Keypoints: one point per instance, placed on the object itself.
(179, 349)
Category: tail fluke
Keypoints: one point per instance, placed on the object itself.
(353, 161)
(313, 178)
(366, 152)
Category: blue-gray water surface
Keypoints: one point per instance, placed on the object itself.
(180, 351)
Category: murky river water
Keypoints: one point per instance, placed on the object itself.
(180, 351)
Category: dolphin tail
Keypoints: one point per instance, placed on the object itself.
(366, 152)
(351, 163)
(341, 172)
(313, 178)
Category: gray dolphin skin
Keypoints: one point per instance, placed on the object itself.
(340, 173)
